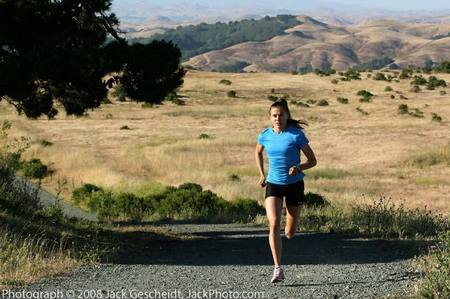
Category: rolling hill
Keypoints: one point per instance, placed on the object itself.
(313, 44)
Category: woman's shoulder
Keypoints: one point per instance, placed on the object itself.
(265, 131)
(295, 130)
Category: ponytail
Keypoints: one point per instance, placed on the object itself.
(290, 122)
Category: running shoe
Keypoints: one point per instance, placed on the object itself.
(278, 275)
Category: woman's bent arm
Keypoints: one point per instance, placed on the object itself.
(309, 153)
(260, 164)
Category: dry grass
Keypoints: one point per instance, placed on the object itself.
(29, 259)
(162, 145)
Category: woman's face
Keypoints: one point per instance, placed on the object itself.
(279, 118)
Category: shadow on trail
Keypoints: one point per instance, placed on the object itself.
(229, 245)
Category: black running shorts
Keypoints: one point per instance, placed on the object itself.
(293, 193)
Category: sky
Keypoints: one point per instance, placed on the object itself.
(299, 4)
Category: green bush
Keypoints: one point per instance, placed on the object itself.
(434, 82)
(83, 193)
(299, 103)
(204, 136)
(385, 219)
(132, 207)
(342, 100)
(388, 88)
(225, 82)
(416, 113)
(272, 98)
(361, 111)
(403, 97)
(436, 283)
(392, 96)
(243, 209)
(416, 89)
(315, 200)
(435, 117)
(323, 102)
(120, 93)
(366, 95)
(15, 195)
(231, 94)
(104, 204)
(442, 92)
(419, 80)
(311, 101)
(45, 143)
(335, 81)
(380, 77)
(403, 109)
(34, 169)
(125, 127)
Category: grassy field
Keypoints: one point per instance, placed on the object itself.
(360, 157)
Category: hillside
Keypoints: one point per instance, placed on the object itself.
(313, 44)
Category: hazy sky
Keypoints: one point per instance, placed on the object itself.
(298, 4)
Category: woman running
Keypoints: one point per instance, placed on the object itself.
(284, 142)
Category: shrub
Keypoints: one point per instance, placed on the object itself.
(385, 219)
(315, 200)
(225, 82)
(104, 204)
(442, 92)
(272, 90)
(342, 100)
(392, 96)
(34, 169)
(311, 101)
(352, 74)
(435, 117)
(335, 81)
(16, 197)
(436, 283)
(119, 93)
(388, 88)
(380, 77)
(272, 98)
(416, 113)
(234, 177)
(416, 89)
(299, 103)
(323, 102)
(403, 97)
(243, 209)
(231, 94)
(83, 193)
(131, 206)
(362, 111)
(45, 143)
(434, 82)
(204, 136)
(419, 80)
(403, 109)
(125, 127)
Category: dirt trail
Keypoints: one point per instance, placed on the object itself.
(234, 257)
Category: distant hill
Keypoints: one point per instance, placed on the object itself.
(201, 38)
(312, 44)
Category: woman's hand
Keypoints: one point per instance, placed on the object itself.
(294, 170)
(262, 181)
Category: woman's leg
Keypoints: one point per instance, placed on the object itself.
(273, 211)
(292, 217)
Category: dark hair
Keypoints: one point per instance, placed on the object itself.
(291, 122)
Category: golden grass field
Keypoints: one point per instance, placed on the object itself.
(360, 157)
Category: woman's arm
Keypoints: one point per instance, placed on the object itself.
(260, 164)
(310, 162)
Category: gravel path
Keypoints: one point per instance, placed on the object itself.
(234, 261)
(225, 258)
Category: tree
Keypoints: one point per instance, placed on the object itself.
(56, 51)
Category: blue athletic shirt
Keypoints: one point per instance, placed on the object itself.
(283, 151)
